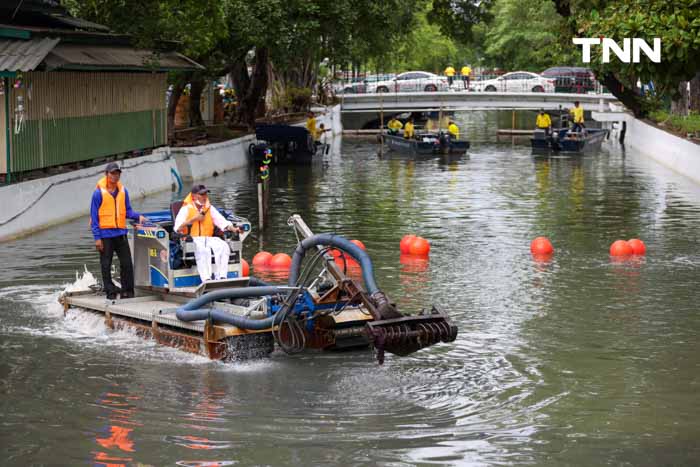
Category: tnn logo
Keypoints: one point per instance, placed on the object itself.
(622, 53)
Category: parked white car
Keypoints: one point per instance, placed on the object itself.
(516, 81)
(412, 81)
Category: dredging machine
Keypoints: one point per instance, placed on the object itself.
(240, 317)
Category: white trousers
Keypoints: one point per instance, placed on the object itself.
(203, 247)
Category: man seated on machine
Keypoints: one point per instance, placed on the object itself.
(197, 218)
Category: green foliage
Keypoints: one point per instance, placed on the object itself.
(426, 48)
(456, 18)
(676, 23)
(526, 35)
(681, 124)
(194, 25)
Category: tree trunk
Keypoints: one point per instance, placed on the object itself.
(196, 87)
(679, 104)
(695, 93)
(626, 95)
(250, 101)
(175, 94)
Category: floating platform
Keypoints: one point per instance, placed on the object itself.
(241, 317)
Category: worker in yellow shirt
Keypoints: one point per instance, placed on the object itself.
(311, 125)
(450, 73)
(577, 116)
(394, 126)
(453, 130)
(408, 130)
(466, 75)
(543, 122)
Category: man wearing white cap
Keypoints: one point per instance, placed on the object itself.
(197, 218)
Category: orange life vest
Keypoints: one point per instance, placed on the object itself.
(203, 228)
(112, 212)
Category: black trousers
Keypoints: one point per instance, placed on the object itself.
(120, 245)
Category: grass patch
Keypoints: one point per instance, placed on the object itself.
(683, 125)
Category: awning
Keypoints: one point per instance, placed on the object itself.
(92, 57)
(24, 55)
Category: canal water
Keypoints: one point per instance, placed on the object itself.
(578, 360)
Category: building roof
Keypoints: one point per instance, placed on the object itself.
(93, 57)
(49, 54)
(24, 55)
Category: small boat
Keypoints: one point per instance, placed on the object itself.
(286, 143)
(242, 317)
(563, 140)
(427, 144)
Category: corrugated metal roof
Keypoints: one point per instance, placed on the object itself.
(90, 57)
(19, 55)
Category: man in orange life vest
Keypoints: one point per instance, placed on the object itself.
(109, 210)
(197, 217)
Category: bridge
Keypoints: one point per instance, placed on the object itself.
(357, 109)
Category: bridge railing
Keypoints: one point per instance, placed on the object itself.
(372, 83)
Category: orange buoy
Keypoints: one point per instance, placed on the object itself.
(620, 248)
(405, 244)
(359, 243)
(541, 246)
(419, 247)
(245, 268)
(281, 261)
(638, 246)
(262, 259)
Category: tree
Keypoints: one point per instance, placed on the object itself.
(676, 23)
(526, 35)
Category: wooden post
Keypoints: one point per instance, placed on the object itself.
(261, 211)
(381, 123)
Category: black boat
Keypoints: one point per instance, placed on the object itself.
(563, 140)
(427, 144)
(287, 143)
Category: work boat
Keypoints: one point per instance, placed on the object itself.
(242, 317)
(563, 140)
(427, 144)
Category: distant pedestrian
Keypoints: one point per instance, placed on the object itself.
(450, 73)
(466, 75)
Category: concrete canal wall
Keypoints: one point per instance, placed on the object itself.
(41, 203)
(678, 154)
(38, 204)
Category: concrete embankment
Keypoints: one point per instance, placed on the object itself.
(678, 154)
(38, 204)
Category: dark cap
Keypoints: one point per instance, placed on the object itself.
(200, 189)
(112, 167)
(542, 110)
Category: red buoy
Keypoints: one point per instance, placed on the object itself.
(638, 246)
(541, 246)
(245, 268)
(405, 244)
(281, 261)
(419, 247)
(620, 248)
(262, 259)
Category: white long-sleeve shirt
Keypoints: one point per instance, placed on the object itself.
(216, 217)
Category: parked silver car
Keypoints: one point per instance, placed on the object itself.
(412, 81)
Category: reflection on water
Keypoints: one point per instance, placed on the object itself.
(575, 358)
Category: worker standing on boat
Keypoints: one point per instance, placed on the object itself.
(450, 73)
(394, 126)
(577, 115)
(543, 122)
(453, 130)
(109, 209)
(466, 75)
(197, 219)
(408, 129)
(311, 125)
